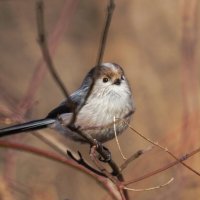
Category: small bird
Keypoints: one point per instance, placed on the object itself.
(109, 98)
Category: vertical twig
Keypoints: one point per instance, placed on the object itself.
(45, 51)
(104, 36)
(40, 71)
(43, 44)
(110, 9)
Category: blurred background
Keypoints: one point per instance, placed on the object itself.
(157, 44)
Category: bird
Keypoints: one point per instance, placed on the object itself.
(110, 98)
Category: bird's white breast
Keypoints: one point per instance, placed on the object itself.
(101, 109)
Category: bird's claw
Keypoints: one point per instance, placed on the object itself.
(106, 157)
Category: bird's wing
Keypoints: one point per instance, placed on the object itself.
(65, 106)
(61, 109)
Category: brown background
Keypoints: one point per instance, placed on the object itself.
(146, 40)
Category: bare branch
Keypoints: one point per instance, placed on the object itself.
(164, 149)
(61, 25)
(133, 157)
(42, 153)
(51, 142)
(110, 9)
(104, 36)
(123, 194)
(47, 57)
(45, 51)
(162, 169)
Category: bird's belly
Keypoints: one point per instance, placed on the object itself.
(98, 121)
(106, 132)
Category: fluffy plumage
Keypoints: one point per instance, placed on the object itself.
(111, 96)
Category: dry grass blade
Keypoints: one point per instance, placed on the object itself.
(117, 141)
(151, 188)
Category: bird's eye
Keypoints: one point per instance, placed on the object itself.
(105, 80)
(122, 77)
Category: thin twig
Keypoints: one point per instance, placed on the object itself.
(51, 142)
(104, 36)
(43, 153)
(44, 48)
(102, 152)
(117, 141)
(18, 112)
(47, 57)
(104, 171)
(99, 165)
(133, 157)
(45, 51)
(164, 149)
(82, 162)
(59, 159)
(56, 34)
(162, 169)
(110, 9)
(151, 188)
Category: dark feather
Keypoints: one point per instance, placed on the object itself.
(25, 127)
(63, 108)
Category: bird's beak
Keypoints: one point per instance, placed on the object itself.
(117, 81)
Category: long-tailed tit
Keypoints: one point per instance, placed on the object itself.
(110, 97)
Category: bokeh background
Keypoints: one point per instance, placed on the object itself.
(157, 44)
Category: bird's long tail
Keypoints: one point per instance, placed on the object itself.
(25, 127)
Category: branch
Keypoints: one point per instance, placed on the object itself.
(110, 9)
(82, 162)
(162, 169)
(60, 159)
(43, 153)
(123, 193)
(164, 149)
(47, 57)
(104, 36)
(61, 25)
(133, 157)
(44, 47)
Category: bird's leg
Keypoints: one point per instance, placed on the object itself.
(104, 153)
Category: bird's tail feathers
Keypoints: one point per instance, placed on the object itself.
(25, 127)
